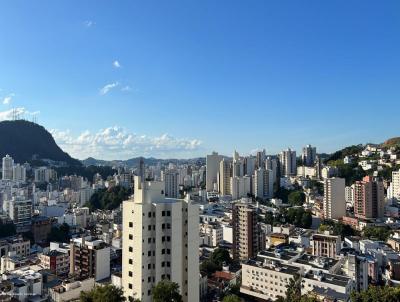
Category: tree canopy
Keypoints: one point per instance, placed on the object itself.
(377, 232)
(296, 198)
(231, 298)
(166, 291)
(377, 294)
(214, 263)
(108, 199)
(107, 293)
(59, 233)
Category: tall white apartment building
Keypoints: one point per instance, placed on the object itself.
(263, 183)
(287, 159)
(7, 170)
(334, 202)
(170, 179)
(249, 165)
(240, 187)
(396, 184)
(19, 173)
(349, 194)
(237, 165)
(308, 155)
(161, 240)
(272, 164)
(212, 167)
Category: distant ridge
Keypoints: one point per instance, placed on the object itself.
(134, 162)
(26, 141)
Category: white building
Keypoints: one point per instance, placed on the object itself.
(170, 179)
(395, 186)
(263, 183)
(8, 164)
(240, 187)
(212, 167)
(334, 203)
(287, 159)
(161, 240)
(19, 173)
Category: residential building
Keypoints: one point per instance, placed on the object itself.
(161, 240)
(170, 179)
(308, 155)
(225, 177)
(55, 261)
(212, 168)
(7, 168)
(369, 198)
(288, 163)
(263, 183)
(325, 245)
(89, 258)
(334, 203)
(246, 231)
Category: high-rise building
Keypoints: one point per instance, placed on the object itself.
(334, 203)
(240, 187)
(272, 164)
(396, 184)
(263, 183)
(225, 177)
(246, 232)
(369, 198)
(249, 165)
(19, 173)
(308, 155)
(212, 168)
(161, 240)
(170, 179)
(288, 163)
(8, 164)
(260, 159)
(237, 165)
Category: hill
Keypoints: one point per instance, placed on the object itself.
(26, 141)
(391, 142)
(134, 162)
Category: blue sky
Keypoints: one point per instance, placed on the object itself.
(188, 77)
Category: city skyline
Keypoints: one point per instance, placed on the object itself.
(179, 80)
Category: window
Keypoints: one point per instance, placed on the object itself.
(149, 214)
(168, 226)
(130, 236)
(168, 213)
(130, 286)
(130, 249)
(163, 251)
(163, 213)
(149, 227)
(168, 238)
(148, 240)
(130, 274)
(131, 224)
(162, 264)
(163, 226)
(130, 261)
(149, 253)
(149, 266)
(169, 252)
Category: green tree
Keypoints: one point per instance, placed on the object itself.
(108, 199)
(293, 289)
(296, 198)
(107, 293)
(166, 291)
(220, 255)
(377, 232)
(208, 267)
(231, 298)
(377, 294)
(59, 233)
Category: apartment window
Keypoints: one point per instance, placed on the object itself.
(163, 213)
(148, 240)
(149, 292)
(162, 264)
(130, 261)
(168, 264)
(163, 251)
(149, 227)
(131, 249)
(168, 251)
(131, 224)
(149, 253)
(168, 238)
(163, 226)
(168, 213)
(130, 274)
(149, 214)
(149, 279)
(130, 285)
(130, 236)
(149, 266)
(168, 226)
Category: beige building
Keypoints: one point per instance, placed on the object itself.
(225, 177)
(212, 167)
(160, 241)
(334, 204)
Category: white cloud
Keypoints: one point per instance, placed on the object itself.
(7, 100)
(126, 88)
(108, 87)
(89, 23)
(116, 64)
(19, 113)
(118, 143)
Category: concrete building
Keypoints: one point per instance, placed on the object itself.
(225, 177)
(325, 245)
(20, 212)
(161, 240)
(263, 183)
(334, 203)
(170, 179)
(19, 173)
(308, 155)
(260, 159)
(70, 290)
(55, 261)
(246, 231)
(396, 184)
(240, 187)
(89, 258)
(369, 198)
(212, 167)
(349, 194)
(7, 168)
(288, 163)
(15, 245)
